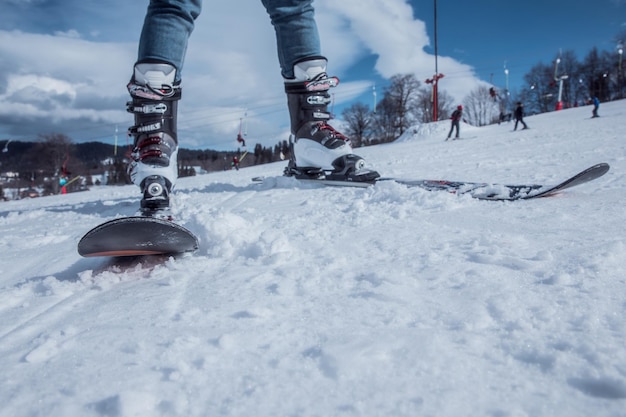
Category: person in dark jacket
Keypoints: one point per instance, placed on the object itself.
(519, 115)
(457, 115)
(596, 106)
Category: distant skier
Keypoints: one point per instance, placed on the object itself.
(455, 121)
(241, 140)
(596, 106)
(63, 184)
(493, 93)
(519, 115)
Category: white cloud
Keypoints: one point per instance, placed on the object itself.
(72, 33)
(77, 61)
(56, 82)
(17, 83)
(389, 31)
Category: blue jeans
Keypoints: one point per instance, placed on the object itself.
(169, 23)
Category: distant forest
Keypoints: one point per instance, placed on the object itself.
(42, 164)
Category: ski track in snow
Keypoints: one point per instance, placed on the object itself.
(316, 301)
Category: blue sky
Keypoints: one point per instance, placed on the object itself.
(64, 64)
(487, 34)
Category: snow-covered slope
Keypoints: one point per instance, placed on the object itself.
(308, 301)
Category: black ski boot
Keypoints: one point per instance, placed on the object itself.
(318, 151)
(154, 166)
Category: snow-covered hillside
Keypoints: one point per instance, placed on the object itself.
(312, 301)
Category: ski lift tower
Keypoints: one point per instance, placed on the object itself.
(620, 75)
(435, 80)
(6, 146)
(506, 77)
(559, 103)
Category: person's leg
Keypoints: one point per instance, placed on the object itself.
(297, 38)
(155, 92)
(166, 30)
(317, 150)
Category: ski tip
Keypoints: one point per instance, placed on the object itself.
(597, 170)
(137, 236)
(603, 166)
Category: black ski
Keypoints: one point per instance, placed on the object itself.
(482, 191)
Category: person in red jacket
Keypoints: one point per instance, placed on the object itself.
(457, 115)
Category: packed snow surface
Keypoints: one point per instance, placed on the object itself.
(321, 301)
